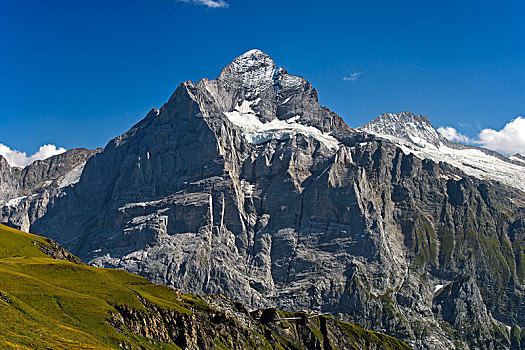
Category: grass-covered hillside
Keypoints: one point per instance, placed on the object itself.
(51, 300)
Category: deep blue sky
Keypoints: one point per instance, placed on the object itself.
(78, 73)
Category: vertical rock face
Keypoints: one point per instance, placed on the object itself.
(245, 185)
(9, 187)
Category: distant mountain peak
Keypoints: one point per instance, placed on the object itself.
(518, 158)
(407, 126)
(415, 134)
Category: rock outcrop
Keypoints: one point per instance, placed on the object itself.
(216, 322)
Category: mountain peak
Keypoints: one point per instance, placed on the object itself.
(403, 119)
(251, 60)
(406, 126)
(415, 134)
(518, 158)
(254, 54)
(253, 90)
(253, 71)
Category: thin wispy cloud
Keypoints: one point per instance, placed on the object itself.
(208, 3)
(509, 140)
(353, 76)
(21, 159)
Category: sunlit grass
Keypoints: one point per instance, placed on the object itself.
(59, 304)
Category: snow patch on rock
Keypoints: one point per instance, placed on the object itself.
(15, 202)
(247, 188)
(72, 177)
(257, 132)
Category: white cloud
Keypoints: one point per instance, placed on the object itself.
(353, 76)
(20, 159)
(509, 140)
(209, 3)
(453, 135)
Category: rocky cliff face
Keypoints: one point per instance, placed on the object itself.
(9, 187)
(245, 185)
(25, 193)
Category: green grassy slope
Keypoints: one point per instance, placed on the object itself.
(49, 303)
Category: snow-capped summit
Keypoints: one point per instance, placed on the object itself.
(257, 75)
(415, 134)
(407, 126)
(267, 103)
(253, 71)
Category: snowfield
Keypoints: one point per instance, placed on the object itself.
(473, 161)
(257, 132)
